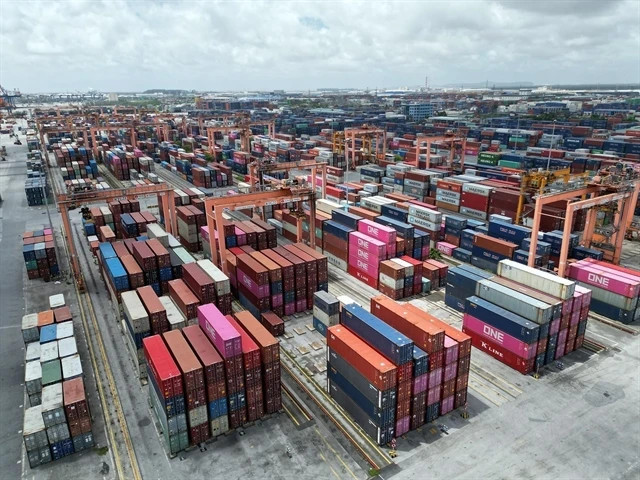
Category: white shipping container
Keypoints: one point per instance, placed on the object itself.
(64, 330)
(33, 377)
(174, 315)
(48, 351)
(611, 298)
(335, 261)
(536, 279)
(327, 206)
(71, 367)
(426, 214)
(420, 222)
(449, 200)
(34, 433)
(56, 301)
(346, 300)
(33, 352)
(516, 302)
(223, 285)
(67, 347)
(324, 318)
(483, 190)
(390, 282)
(408, 268)
(52, 407)
(30, 328)
(156, 231)
(479, 214)
(135, 313)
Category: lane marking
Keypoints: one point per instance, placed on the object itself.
(335, 453)
(329, 465)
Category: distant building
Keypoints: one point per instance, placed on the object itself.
(113, 97)
(418, 111)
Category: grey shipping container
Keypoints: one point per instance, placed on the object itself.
(611, 298)
(39, 457)
(537, 279)
(33, 377)
(52, 407)
(57, 433)
(516, 302)
(30, 331)
(83, 441)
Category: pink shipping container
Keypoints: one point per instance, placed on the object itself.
(289, 308)
(575, 317)
(365, 256)
(554, 326)
(420, 383)
(509, 343)
(598, 277)
(260, 291)
(379, 232)
(586, 295)
(446, 248)
(562, 341)
(447, 405)
(450, 371)
(402, 426)
(369, 268)
(451, 350)
(435, 377)
(433, 395)
(371, 245)
(221, 333)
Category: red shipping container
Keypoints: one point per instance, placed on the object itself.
(250, 351)
(269, 346)
(373, 366)
(522, 365)
(161, 253)
(144, 256)
(75, 400)
(62, 314)
(162, 366)
(191, 368)
(273, 323)
(363, 277)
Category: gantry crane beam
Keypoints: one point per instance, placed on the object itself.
(452, 141)
(257, 169)
(624, 214)
(350, 136)
(166, 201)
(214, 207)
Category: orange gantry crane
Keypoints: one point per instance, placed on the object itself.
(214, 207)
(166, 202)
(451, 141)
(367, 135)
(259, 168)
(624, 195)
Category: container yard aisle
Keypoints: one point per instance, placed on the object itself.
(19, 296)
(314, 454)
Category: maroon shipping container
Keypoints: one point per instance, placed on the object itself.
(273, 323)
(464, 364)
(155, 309)
(75, 399)
(253, 269)
(161, 253)
(270, 231)
(275, 271)
(189, 365)
(250, 351)
(144, 256)
(136, 276)
(184, 298)
(199, 282)
(269, 346)
(211, 360)
(148, 217)
(62, 314)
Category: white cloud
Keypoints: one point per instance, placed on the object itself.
(134, 45)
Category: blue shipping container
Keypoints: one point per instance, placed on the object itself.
(462, 254)
(395, 213)
(458, 223)
(420, 362)
(345, 218)
(504, 320)
(106, 251)
(404, 230)
(487, 255)
(511, 233)
(117, 273)
(320, 327)
(542, 248)
(379, 335)
(521, 256)
(48, 333)
(614, 313)
(337, 230)
(454, 302)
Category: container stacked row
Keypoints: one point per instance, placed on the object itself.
(39, 253)
(254, 233)
(393, 370)
(57, 421)
(37, 190)
(615, 290)
(212, 377)
(524, 317)
(283, 279)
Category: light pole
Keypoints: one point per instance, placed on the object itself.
(552, 134)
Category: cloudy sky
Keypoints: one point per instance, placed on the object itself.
(69, 45)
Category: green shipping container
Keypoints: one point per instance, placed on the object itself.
(51, 372)
(509, 164)
(487, 161)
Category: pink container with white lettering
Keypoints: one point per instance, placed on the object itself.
(370, 268)
(598, 277)
(364, 255)
(446, 248)
(369, 244)
(379, 232)
(509, 343)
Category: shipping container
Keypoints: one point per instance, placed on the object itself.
(514, 301)
(502, 319)
(537, 279)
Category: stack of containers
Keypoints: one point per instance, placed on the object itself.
(405, 231)
(147, 261)
(474, 201)
(195, 394)
(322, 270)
(488, 251)
(391, 280)
(76, 408)
(166, 393)
(136, 328)
(461, 284)
(326, 311)
(453, 227)
(252, 372)
(394, 346)
(288, 280)
(310, 260)
(270, 360)
(157, 313)
(426, 219)
(163, 260)
(253, 284)
(335, 243)
(228, 342)
(362, 382)
(185, 300)
(365, 255)
(222, 286)
(275, 281)
(448, 193)
(215, 383)
(174, 315)
(188, 228)
(614, 289)
(39, 253)
(300, 275)
(199, 282)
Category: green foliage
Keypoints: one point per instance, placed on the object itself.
(397, 158)
(208, 157)
(435, 254)
(373, 472)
